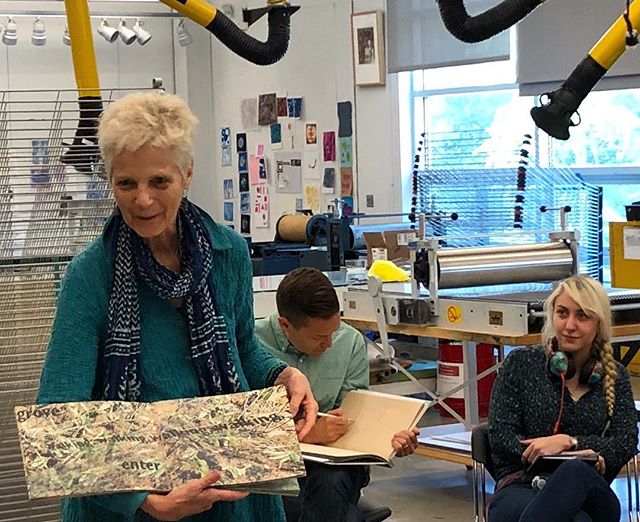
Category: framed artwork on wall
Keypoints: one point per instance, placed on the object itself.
(367, 38)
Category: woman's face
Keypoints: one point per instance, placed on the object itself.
(574, 329)
(148, 187)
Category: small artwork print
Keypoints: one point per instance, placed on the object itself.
(329, 180)
(267, 110)
(283, 110)
(225, 136)
(244, 203)
(311, 133)
(345, 152)
(226, 156)
(227, 185)
(346, 206)
(329, 145)
(249, 113)
(262, 168)
(243, 182)
(245, 224)
(228, 210)
(346, 181)
(367, 34)
(241, 142)
(257, 170)
(225, 144)
(261, 207)
(243, 164)
(366, 51)
(344, 119)
(276, 134)
(294, 105)
(312, 194)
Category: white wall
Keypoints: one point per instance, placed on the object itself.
(318, 66)
(25, 66)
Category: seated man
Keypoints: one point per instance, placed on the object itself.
(307, 334)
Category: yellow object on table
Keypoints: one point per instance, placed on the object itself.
(388, 271)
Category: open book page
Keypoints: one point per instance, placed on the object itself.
(376, 418)
(326, 454)
(86, 448)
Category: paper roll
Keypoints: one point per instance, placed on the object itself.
(292, 228)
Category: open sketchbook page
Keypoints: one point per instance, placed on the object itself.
(376, 418)
(87, 448)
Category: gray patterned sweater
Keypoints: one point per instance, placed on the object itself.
(525, 403)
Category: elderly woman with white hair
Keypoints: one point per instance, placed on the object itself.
(160, 306)
(569, 394)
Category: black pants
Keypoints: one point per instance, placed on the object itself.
(331, 493)
(575, 492)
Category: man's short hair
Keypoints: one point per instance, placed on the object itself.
(306, 293)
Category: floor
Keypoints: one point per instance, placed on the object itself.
(423, 489)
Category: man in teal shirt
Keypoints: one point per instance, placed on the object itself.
(307, 334)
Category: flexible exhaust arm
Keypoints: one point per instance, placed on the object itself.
(554, 117)
(244, 45)
(82, 152)
(472, 29)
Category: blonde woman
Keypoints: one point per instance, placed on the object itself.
(160, 306)
(568, 395)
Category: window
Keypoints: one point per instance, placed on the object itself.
(474, 118)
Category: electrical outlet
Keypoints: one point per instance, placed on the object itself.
(369, 200)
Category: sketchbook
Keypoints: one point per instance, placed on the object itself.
(547, 464)
(376, 418)
(90, 448)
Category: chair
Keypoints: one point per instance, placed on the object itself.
(370, 511)
(481, 456)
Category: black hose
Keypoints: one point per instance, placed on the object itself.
(83, 152)
(555, 117)
(477, 28)
(255, 51)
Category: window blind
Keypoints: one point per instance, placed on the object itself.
(555, 37)
(418, 39)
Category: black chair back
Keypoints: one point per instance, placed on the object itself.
(480, 447)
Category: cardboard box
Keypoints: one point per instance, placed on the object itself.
(376, 248)
(390, 244)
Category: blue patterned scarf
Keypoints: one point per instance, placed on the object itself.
(209, 343)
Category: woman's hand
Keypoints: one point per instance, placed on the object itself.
(328, 429)
(191, 498)
(405, 442)
(545, 446)
(304, 407)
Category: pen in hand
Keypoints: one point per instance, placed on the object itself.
(320, 414)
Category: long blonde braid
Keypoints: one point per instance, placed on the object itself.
(604, 352)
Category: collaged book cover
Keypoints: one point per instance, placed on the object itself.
(89, 448)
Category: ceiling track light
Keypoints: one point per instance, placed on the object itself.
(10, 35)
(39, 33)
(143, 35)
(184, 37)
(110, 34)
(126, 35)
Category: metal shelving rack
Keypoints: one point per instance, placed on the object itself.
(48, 212)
